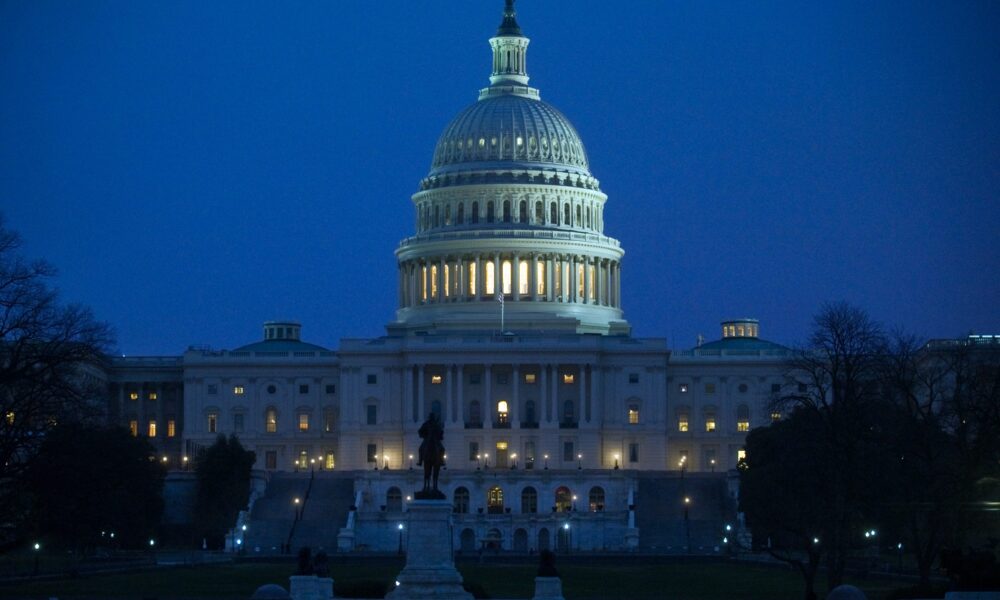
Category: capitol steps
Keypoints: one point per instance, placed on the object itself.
(660, 512)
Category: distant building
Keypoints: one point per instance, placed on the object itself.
(510, 328)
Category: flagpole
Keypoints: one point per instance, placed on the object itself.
(500, 300)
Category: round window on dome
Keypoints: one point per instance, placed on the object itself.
(493, 141)
(482, 142)
(520, 141)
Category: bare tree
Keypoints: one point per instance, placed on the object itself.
(51, 358)
(836, 379)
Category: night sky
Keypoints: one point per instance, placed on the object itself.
(196, 168)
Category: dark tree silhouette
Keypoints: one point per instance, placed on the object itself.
(223, 471)
(87, 480)
(51, 358)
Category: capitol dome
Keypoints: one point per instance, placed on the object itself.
(510, 218)
(509, 129)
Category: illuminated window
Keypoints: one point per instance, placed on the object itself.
(435, 379)
(271, 420)
(213, 422)
(494, 501)
(710, 423)
(506, 272)
(596, 498)
(434, 281)
(633, 414)
(472, 279)
(490, 278)
(133, 427)
(529, 378)
(523, 280)
(151, 430)
(10, 418)
(133, 395)
(330, 462)
(775, 416)
(238, 390)
(423, 283)
(741, 455)
(683, 388)
(447, 281)
(579, 281)
(152, 396)
(303, 421)
(568, 378)
(743, 418)
(171, 428)
(502, 412)
(591, 291)
(682, 422)
(540, 278)
(557, 275)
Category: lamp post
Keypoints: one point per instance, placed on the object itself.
(411, 462)
(38, 550)
(375, 456)
(546, 456)
(687, 523)
(574, 502)
(479, 458)
(513, 461)
(616, 461)
(486, 461)
(569, 536)
(400, 550)
(184, 462)
(295, 507)
(579, 461)
(712, 463)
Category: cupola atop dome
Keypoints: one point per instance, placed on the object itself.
(510, 51)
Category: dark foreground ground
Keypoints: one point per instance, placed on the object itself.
(591, 578)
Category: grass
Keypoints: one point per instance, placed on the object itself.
(604, 579)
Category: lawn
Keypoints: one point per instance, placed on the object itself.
(596, 578)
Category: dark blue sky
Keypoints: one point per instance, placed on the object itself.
(195, 168)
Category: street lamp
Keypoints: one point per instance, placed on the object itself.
(479, 458)
(569, 536)
(712, 463)
(486, 461)
(513, 461)
(375, 456)
(37, 548)
(184, 462)
(579, 461)
(574, 502)
(546, 456)
(687, 523)
(295, 507)
(616, 461)
(400, 527)
(411, 462)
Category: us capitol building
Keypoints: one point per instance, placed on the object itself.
(562, 430)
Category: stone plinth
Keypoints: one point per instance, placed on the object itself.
(345, 540)
(548, 588)
(310, 587)
(430, 566)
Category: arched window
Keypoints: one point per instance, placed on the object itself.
(529, 413)
(475, 213)
(475, 414)
(461, 500)
(447, 215)
(522, 214)
(489, 279)
(539, 213)
(743, 418)
(506, 211)
(568, 412)
(529, 501)
(588, 216)
(506, 277)
(394, 500)
(436, 408)
(437, 216)
(553, 214)
(566, 215)
(579, 219)
(563, 499)
(494, 500)
(633, 414)
(472, 278)
(502, 412)
(540, 282)
(523, 280)
(596, 499)
(490, 214)
(460, 214)
(271, 420)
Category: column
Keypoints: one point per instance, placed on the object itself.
(408, 394)
(549, 274)
(442, 265)
(514, 410)
(586, 280)
(553, 411)
(515, 276)
(618, 285)
(421, 409)
(488, 398)
(461, 399)
(572, 279)
(479, 277)
(533, 282)
(497, 275)
(583, 393)
(544, 414)
(463, 293)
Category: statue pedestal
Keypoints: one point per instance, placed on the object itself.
(430, 567)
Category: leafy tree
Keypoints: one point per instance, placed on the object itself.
(51, 357)
(89, 480)
(223, 471)
(785, 492)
